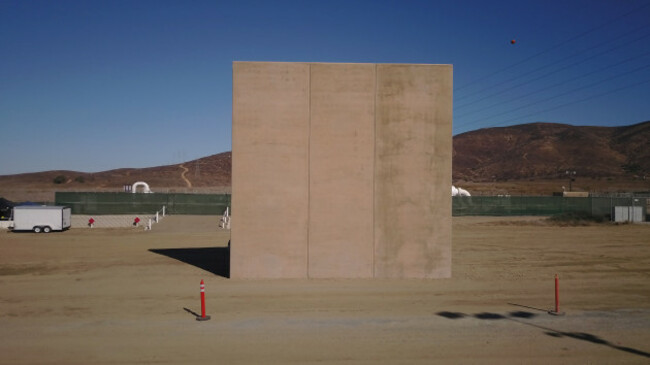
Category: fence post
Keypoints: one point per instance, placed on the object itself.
(632, 213)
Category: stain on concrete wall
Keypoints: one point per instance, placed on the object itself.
(412, 169)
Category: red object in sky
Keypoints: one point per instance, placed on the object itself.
(513, 41)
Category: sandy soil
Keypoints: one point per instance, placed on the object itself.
(107, 296)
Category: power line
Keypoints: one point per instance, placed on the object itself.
(568, 104)
(548, 87)
(580, 35)
(556, 62)
(563, 94)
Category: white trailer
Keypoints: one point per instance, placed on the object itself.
(41, 218)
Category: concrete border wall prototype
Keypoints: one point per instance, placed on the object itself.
(341, 170)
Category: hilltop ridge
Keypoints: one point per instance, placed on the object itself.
(529, 159)
(548, 150)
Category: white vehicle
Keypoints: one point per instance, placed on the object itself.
(41, 218)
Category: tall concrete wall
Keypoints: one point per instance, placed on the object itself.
(341, 170)
(413, 171)
(270, 172)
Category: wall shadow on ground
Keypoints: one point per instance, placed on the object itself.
(519, 315)
(215, 260)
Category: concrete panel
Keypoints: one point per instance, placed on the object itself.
(341, 171)
(270, 170)
(413, 171)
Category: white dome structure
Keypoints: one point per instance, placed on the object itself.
(146, 190)
(459, 191)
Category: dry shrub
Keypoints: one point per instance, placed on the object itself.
(574, 219)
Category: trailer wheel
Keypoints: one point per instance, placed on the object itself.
(47, 229)
(37, 229)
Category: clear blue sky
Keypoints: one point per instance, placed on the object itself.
(96, 85)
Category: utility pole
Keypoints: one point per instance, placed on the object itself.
(571, 174)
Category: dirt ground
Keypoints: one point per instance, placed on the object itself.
(110, 296)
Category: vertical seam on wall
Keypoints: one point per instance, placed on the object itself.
(374, 175)
(308, 168)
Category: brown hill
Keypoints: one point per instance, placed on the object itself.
(205, 175)
(546, 150)
(523, 159)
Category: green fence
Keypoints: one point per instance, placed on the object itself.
(129, 203)
(540, 205)
(215, 204)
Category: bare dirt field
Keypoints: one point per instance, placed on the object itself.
(110, 296)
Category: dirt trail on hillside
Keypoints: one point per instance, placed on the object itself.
(105, 296)
(185, 170)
